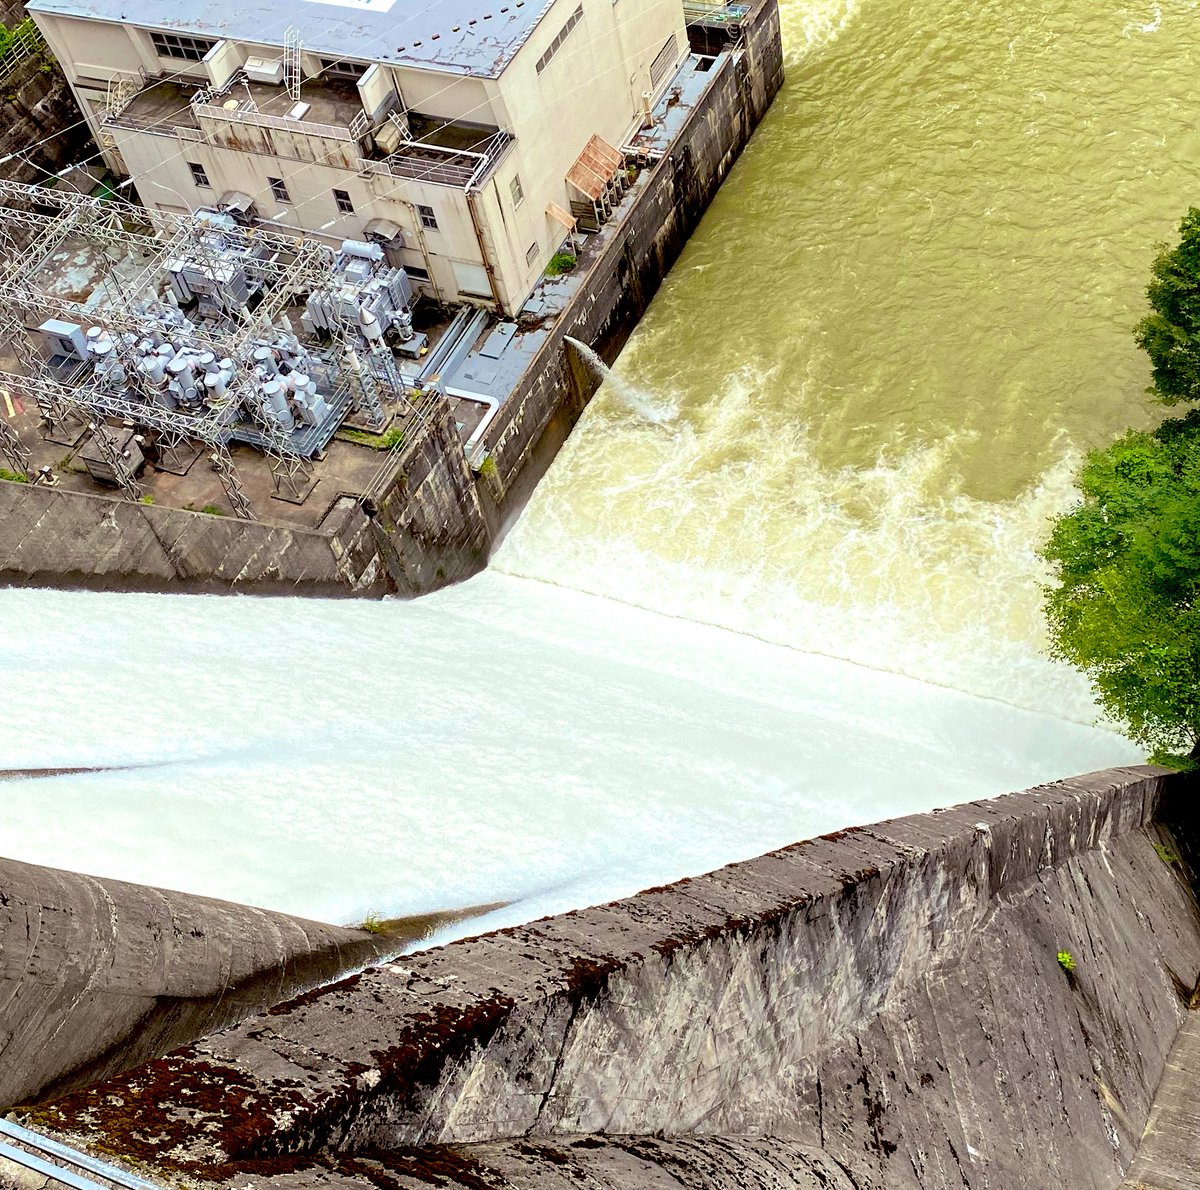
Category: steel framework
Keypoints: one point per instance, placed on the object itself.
(283, 267)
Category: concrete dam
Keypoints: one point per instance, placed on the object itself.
(881, 1007)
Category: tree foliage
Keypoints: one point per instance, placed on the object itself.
(1124, 609)
(1171, 334)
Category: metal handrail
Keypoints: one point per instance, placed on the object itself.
(52, 1159)
(283, 123)
(27, 40)
(462, 168)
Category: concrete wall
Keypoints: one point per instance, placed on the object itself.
(55, 538)
(428, 525)
(884, 1003)
(99, 975)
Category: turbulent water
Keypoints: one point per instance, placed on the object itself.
(783, 576)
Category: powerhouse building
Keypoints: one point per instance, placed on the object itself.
(466, 137)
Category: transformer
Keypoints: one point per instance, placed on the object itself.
(362, 283)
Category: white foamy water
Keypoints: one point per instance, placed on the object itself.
(501, 740)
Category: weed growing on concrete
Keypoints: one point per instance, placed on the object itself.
(560, 262)
(1066, 961)
(1175, 760)
(488, 468)
(372, 923)
(146, 499)
(386, 441)
(213, 510)
(1165, 854)
(13, 476)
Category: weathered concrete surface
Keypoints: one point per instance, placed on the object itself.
(428, 526)
(99, 975)
(55, 538)
(886, 1001)
(632, 1163)
(1169, 1155)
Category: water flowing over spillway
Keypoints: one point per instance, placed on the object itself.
(804, 593)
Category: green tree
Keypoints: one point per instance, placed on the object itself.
(1127, 561)
(1171, 334)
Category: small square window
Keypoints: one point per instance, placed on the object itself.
(518, 195)
(342, 199)
(428, 218)
(199, 175)
(531, 255)
(279, 191)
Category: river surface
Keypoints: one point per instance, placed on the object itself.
(781, 579)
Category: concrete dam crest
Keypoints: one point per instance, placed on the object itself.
(880, 1007)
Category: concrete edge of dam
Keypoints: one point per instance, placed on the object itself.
(98, 975)
(879, 1007)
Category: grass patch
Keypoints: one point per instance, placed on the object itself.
(13, 476)
(372, 923)
(386, 441)
(213, 510)
(1165, 854)
(560, 262)
(147, 499)
(1175, 760)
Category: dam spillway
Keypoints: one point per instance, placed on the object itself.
(860, 468)
(804, 599)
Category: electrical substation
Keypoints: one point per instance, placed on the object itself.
(165, 342)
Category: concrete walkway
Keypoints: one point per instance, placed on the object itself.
(1169, 1155)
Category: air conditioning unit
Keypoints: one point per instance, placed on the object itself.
(391, 132)
(264, 70)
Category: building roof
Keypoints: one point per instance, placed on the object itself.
(475, 37)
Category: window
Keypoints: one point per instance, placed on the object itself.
(199, 175)
(518, 195)
(663, 62)
(339, 69)
(278, 190)
(531, 255)
(344, 205)
(186, 49)
(417, 274)
(563, 34)
(428, 218)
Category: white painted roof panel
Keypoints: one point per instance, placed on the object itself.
(476, 37)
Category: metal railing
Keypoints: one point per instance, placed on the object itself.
(241, 115)
(460, 168)
(25, 41)
(61, 1163)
